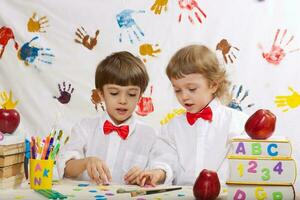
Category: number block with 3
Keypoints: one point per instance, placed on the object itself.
(262, 171)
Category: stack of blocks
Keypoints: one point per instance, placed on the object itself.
(261, 169)
(11, 163)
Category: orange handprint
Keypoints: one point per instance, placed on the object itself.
(287, 102)
(192, 7)
(148, 50)
(96, 99)
(37, 25)
(227, 50)
(86, 40)
(158, 6)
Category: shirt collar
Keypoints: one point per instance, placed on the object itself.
(214, 104)
(131, 122)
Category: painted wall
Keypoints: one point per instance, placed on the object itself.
(50, 49)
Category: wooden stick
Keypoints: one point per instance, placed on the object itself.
(154, 191)
(122, 190)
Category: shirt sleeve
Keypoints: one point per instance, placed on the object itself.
(74, 149)
(236, 129)
(164, 155)
(237, 124)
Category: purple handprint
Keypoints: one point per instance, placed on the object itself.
(128, 24)
(65, 94)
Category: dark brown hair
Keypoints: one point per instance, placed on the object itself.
(121, 68)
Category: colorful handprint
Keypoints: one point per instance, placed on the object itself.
(36, 24)
(127, 24)
(6, 34)
(7, 101)
(30, 54)
(236, 101)
(278, 52)
(64, 93)
(227, 50)
(86, 40)
(158, 6)
(287, 102)
(193, 8)
(148, 50)
(145, 105)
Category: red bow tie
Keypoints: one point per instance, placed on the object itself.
(205, 114)
(122, 131)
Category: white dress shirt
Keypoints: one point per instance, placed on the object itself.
(87, 139)
(183, 150)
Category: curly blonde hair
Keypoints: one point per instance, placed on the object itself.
(200, 59)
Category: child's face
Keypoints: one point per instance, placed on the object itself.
(120, 101)
(193, 91)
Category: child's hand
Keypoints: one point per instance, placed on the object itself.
(132, 175)
(151, 177)
(97, 170)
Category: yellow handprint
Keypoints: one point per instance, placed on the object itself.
(7, 101)
(158, 6)
(148, 50)
(286, 102)
(36, 25)
(171, 115)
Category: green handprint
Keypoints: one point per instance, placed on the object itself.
(287, 102)
(158, 6)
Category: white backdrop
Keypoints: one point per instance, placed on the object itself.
(245, 24)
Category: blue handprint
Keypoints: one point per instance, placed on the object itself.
(29, 54)
(235, 102)
(127, 23)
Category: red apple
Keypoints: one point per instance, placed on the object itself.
(9, 120)
(207, 185)
(261, 124)
(1, 136)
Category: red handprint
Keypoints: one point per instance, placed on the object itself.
(145, 105)
(5, 35)
(192, 7)
(277, 52)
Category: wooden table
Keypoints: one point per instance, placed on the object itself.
(75, 190)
